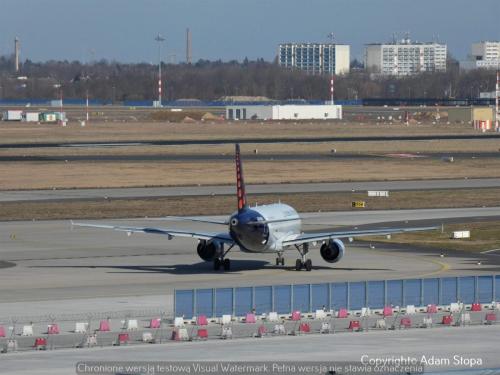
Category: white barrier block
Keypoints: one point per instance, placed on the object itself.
(147, 337)
(454, 307)
(365, 311)
(92, 340)
(410, 310)
(427, 322)
(132, 324)
(27, 330)
(320, 314)
(183, 334)
(179, 322)
(496, 305)
(227, 333)
(273, 317)
(12, 345)
(81, 327)
(325, 328)
(380, 323)
(279, 329)
(226, 319)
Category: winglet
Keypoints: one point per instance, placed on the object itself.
(240, 183)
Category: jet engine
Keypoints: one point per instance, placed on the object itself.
(208, 250)
(332, 251)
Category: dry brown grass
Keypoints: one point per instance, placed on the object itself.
(123, 131)
(220, 205)
(40, 175)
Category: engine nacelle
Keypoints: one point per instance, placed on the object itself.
(208, 250)
(332, 251)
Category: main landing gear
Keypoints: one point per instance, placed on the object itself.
(303, 262)
(220, 261)
(280, 260)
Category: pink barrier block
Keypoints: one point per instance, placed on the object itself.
(40, 343)
(475, 307)
(343, 313)
(250, 318)
(155, 323)
(296, 315)
(447, 320)
(491, 317)
(202, 333)
(104, 326)
(123, 338)
(53, 329)
(432, 309)
(304, 328)
(405, 322)
(201, 320)
(2, 331)
(387, 311)
(354, 325)
(261, 331)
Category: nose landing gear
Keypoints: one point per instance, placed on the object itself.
(280, 260)
(220, 261)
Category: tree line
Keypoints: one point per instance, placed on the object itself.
(212, 80)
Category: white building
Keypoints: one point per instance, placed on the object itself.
(483, 55)
(284, 112)
(405, 58)
(315, 58)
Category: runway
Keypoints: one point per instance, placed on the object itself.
(317, 156)
(221, 141)
(178, 191)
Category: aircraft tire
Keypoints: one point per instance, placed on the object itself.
(298, 265)
(227, 264)
(308, 265)
(217, 264)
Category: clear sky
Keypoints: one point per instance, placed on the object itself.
(124, 30)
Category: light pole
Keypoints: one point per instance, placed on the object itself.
(331, 66)
(159, 39)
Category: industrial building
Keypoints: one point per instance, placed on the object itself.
(284, 112)
(403, 58)
(315, 58)
(470, 114)
(484, 55)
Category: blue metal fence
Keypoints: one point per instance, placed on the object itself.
(351, 295)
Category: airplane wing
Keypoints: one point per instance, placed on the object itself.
(193, 219)
(313, 237)
(170, 233)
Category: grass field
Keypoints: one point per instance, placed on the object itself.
(48, 175)
(222, 205)
(123, 131)
(484, 236)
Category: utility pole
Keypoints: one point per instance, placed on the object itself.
(497, 103)
(332, 68)
(159, 39)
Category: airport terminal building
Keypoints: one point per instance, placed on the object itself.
(284, 112)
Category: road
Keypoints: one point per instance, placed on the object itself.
(40, 195)
(476, 348)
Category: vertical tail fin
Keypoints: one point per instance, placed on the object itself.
(240, 183)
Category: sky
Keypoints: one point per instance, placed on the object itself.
(124, 30)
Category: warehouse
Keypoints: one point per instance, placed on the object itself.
(284, 112)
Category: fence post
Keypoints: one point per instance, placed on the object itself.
(272, 298)
(385, 293)
(440, 291)
(214, 304)
(234, 301)
(366, 293)
(421, 292)
(476, 289)
(253, 298)
(348, 296)
(175, 303)
(459, 297)
(494, 288)
(403, 294)
(330, 296)
(310, 297)
(291, 298)
(195, 304)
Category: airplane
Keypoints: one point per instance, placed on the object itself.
(272, 228)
